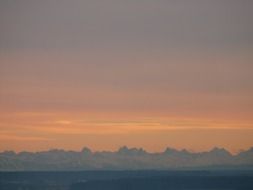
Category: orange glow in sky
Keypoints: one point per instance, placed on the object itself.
(111, 73)
(40, 131)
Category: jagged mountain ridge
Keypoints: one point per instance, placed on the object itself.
(123, 159)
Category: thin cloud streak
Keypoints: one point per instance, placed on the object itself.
(13, 137)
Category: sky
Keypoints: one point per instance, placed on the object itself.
(104, 74)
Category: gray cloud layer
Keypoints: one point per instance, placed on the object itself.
(143, 53)
(143, 23)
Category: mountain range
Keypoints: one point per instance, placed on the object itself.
(124, 159)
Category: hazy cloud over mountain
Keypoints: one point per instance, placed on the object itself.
(124, 159)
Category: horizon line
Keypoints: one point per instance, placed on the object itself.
(85, 148)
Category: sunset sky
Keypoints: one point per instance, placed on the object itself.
(142, 73)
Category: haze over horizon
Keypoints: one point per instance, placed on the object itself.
(125, 159)
(141, 73)
(130, 149)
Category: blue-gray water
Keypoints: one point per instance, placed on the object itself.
(127, 180)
